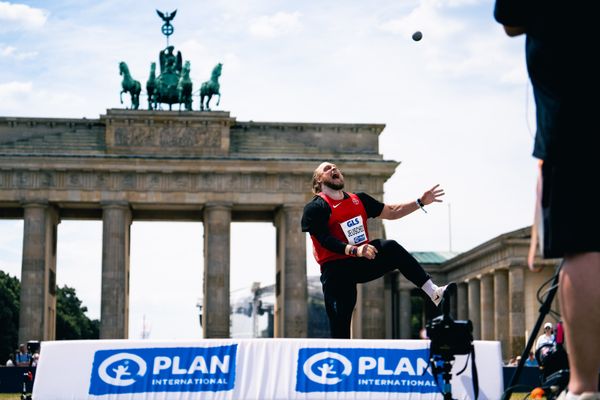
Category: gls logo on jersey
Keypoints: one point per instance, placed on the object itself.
(170, 369)
(354, 230)
(363, 370)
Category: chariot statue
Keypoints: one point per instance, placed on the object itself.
(171, 84)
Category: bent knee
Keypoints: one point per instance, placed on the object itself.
(391, 246)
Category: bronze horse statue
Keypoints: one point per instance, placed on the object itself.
(129, 85)
(184, 87)
(151, 86)
(210, 88)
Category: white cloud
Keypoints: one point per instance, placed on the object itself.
(7, 51)
(281, 23)
(11, 52)
(454, 47)
(9, 90)
(21, 16)
(474, 59)
(425, 18)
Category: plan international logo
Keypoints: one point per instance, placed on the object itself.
(170, 369)
(364, 370)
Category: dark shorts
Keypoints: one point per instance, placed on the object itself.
(571, 209)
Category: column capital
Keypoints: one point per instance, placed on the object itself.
(115, 204)
(291, 206)
(218, 205)
(38, 203)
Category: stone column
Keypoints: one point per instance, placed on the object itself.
(114, 304)
(475, 307)
(462, 301)
(291, 312)
(501, 299)
(516, 314)
(369, 318)
(217, 242)
(405, 311)
(487, 307)
(37, 315)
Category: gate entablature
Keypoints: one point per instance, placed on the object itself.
(158, 165)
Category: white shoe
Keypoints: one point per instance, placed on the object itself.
(438, 294)
(583, 396)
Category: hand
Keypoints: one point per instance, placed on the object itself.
(366, 250)
(536, 227)
(432, 195)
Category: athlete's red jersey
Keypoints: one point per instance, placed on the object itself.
(347, 222)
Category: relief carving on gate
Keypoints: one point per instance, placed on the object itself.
(184, 139)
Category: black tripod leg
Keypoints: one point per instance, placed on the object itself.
(544, 309)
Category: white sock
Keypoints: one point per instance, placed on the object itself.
(429, 288)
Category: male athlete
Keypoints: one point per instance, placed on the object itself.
(337, 223)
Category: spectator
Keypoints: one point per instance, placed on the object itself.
(531, 361)
(35, 359)
(23, 358)
(545, 338)
(11, 360)
(514, 361)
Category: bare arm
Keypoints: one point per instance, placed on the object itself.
(395, 211)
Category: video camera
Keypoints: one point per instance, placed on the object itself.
(450, 338)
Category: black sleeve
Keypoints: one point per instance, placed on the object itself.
(513, 12)
(372, 206)
(315, 220)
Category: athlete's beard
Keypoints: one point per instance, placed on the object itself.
(333, 185)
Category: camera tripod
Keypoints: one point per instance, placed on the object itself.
(445, 370)
(544, 309)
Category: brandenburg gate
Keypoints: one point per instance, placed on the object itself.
(179, 166)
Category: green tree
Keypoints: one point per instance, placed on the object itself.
(71, 321)
(9, 315)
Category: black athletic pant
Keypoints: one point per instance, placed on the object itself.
(339, 279)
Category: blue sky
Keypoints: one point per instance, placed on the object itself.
(457, 108)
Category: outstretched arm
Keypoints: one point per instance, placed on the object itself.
(395, 211)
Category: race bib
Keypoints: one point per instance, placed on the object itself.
(354, 229)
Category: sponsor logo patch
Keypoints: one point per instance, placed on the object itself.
(364, 370)
(170, 369)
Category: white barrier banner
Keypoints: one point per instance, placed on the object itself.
(256, 369)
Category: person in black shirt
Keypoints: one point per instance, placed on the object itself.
(564, 72)
(337, 223)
